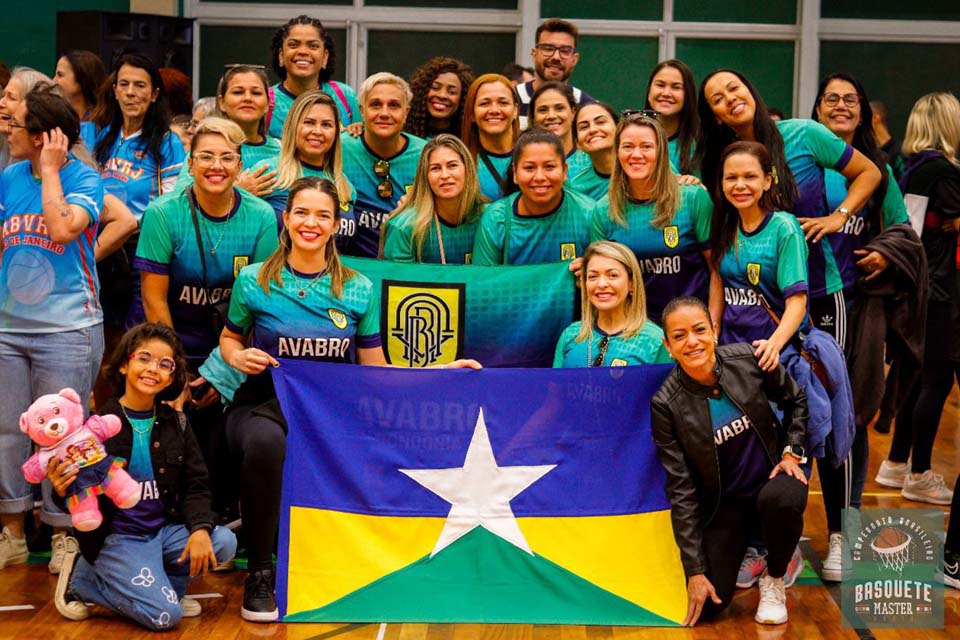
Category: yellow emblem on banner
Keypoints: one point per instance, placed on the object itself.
(568, 251)
(338, 317)
(671, 236)
(753, 273)
(422, 322)
(239, 262)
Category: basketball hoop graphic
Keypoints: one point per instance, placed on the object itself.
(892, 546)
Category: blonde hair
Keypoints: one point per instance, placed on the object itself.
(289, 168)
(384, 77)
(422, 199)
(274, 265)
(228, 129)
(636, 302)
(666, 190)
(934, 124)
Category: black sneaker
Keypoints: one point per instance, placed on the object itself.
(259, 604)
(951, 569)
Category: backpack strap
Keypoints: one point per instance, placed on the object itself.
(343, 99)
(271, 96)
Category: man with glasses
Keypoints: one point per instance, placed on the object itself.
(381, 163)
(554, 58)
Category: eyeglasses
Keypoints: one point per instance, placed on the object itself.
(14, 125)
(207, 160)
(849, 99)
(165, 364)
(547, 50)
(382, 170)
(646, 113)
(604, 343)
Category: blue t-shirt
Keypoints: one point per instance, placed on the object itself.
(371, 210)
(132, 175)
(489, 185)
(147, 516)
(645, 347)
(744, 465)
(852, 235)
(671, 258)
(45, 286)
(772, 261)
(348, 108)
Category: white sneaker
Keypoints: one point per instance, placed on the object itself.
(833, 566)
(12, 550)
(926, 487)
(69, 608)
(892, 474)
(191, 607)
(57, 548)
(773, 601)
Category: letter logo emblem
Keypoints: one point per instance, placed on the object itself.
(339, 318)
(422, 322)
(753, 273)
(671, 236)
(568, 251)
(239, 262)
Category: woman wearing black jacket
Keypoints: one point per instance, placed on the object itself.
(729, 462)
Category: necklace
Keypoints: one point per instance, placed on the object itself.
(224, 224)
(142, 432)
(302, 288)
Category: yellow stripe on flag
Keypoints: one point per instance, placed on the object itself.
(632, 556)
(355, 550)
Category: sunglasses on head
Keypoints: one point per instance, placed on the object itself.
(646, 113)
(382, 170)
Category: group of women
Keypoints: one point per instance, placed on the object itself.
(694, 221)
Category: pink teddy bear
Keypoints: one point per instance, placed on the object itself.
(55, 422)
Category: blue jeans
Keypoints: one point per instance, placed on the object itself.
(139, 576)
(32, 365)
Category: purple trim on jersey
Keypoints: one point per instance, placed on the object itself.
(311, 166)
(230, 214)
(406, 143)
(516, 207)
(794, 289)
(285, 91)
(150, 266)
(844, 159)
(237, 329)
(369, 342)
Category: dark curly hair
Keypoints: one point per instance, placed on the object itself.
(136, 336)
(418, 120)
(281, 34)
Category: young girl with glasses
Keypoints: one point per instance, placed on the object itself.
(139, 561)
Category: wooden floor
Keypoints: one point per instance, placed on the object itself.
(814, 612)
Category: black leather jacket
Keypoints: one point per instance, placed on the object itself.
(683, 433)
(178, 468)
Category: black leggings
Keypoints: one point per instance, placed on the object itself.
(779, 509)
(918, 420)
(259, 445)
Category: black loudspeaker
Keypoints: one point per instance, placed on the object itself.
(165, 40)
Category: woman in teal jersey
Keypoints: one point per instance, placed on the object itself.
(760, 254)
(671, 92)
(731, 109)
(544, 222)
(301, 303)
(440, 221)
(553, 107)
(667, 225)
(613, 330)
(438, 88)
(303, 57)
(595, 127)
(491, 126)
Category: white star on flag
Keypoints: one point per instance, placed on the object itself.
(479, 492)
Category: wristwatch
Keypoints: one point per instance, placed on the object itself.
(796, 451)
(846, 212)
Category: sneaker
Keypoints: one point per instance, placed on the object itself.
(67, 606)
(892, 474)
(926, 487)
(832, 570)
(773, 601)
(223, 567)
(191, 607)
(57, 548)
(12, 550)
(259, 604)
(794, 569)
(753, 565)
(951, 569)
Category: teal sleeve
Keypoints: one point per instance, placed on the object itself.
(184, 180)
(486, 248)
(224, 378)
(826, 147)
(598, 221)
(239, 314)
(702, 214)
(791, 256)
(266, 238)
(370, 322)
(893, 210)
(562, 343)
(662, 356)
(155, 243)
(398, 242)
